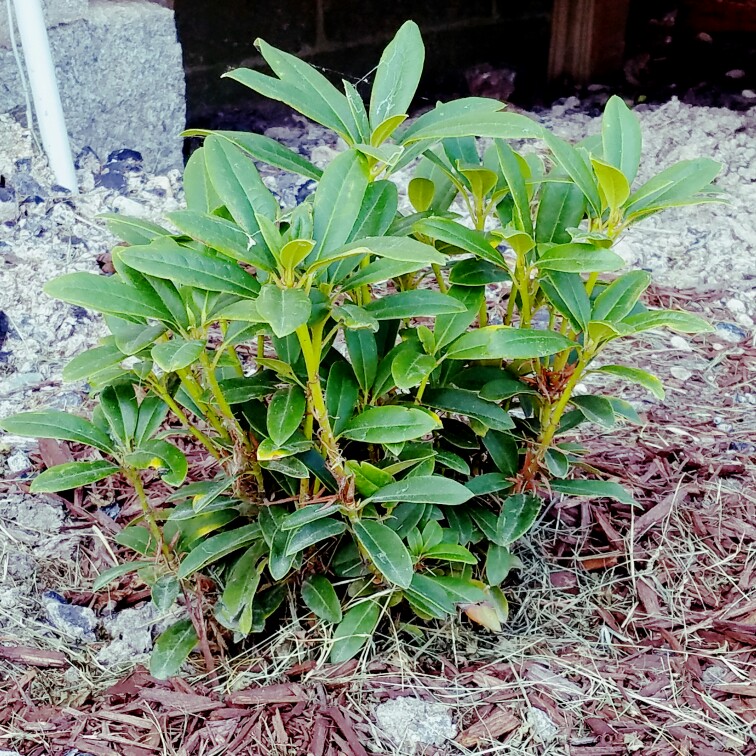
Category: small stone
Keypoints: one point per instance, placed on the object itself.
(128, 206)
(114, 180)
(749, 94)
(745, 320)
(543, 728)
(678, 342)
(18, 462)
(735, 306)
(681, 373)
(704, 37)
(731, 332)
(736, 73)
(77, 622)
(19, 382)
(409, 721)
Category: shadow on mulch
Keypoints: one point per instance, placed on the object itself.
(631, 630)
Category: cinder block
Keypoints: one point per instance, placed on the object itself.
(56, 12)
(121, 80)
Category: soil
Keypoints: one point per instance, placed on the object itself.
(630, 630)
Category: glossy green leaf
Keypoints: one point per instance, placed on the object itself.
(423, 489)
(166, 259)
(572, 162)
(450, 552)
(410, 367)
(428, 598)
(165, 457)
(342, 393)
(285, 413)
(511, 169)
(561, 206)
(518, 513)
(386, 551)
(92, 361)
(284, 310)
(614, 186)
(390, 425)
(449, 327)
(172, 648)
(507, 343)
(619, 298)
(621, 137)
(597, 409)
(566, 291)
(488, 483)
(499, 563)
(133, 230)
(475, 272)
(417, 303)
(115, 572)
(313, 532)
(579, 258)
(354, 631)
(363, 354)
(216, 547)
(504, 452)
(684, 322)
(120, 409)
(59, 425)
(198, 189)
(469, 404)
(636, 375)
(71, 475)
(450, 232)
(320, 598)
(176, 354)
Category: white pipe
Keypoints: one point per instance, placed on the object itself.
(44, 86)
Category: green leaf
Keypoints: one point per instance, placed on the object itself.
(216, 547)
(284, 310)
(238, 184)
(475, 272)
(133, 230)
(313, 532)
(613, 184)
(417, 303)
(636, 375)
(363, 353)
(621, 137)
(289, 466)
(390, 425)
(503, 387)
(321, 599)
(59, 425)
(164, 456)
(499, 563)
(265, 149)
(240, 390)
(518, 513)
(619, 298)
(303, 88)
(338, 200)
(596, 409)
(354, 631)
(225, 237)
(420, 192)
(386, 550)
(108, 295)
(449, 327)
(512, 171)
(488, 483)
(176, 354)
(234, 609)
(410, 367)
(398, 75)
(428, 598)
(113, 573)
(460, 590)
(198, 189)
(561, 206)
(594, 488)
(468, 403)
(676, 185)
(557, 462)
(72, 475)
(449, 231)
(507, 343)
(566, 291)
(575, 166)
(119, 406)
(164, 592)
(398, 248)
(579, 258)
(423, 489)
(271, 522)
(92, 361)
(504, 452)
(450, 552)
(355, 317)
(342, 393)
(190, 267)
(172, 648)
(684, 322)
(310, 513)
(285, 413)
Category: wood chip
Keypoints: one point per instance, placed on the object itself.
(493, 726)
(34, 657)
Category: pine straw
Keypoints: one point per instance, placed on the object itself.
(631, 630)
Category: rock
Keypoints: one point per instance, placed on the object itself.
(678, 342)
(18, 462)
(543, 728)
(76, 622)
(735, 306)
(132, 633)
(128, 206)
(18, 382)
(731, 332)
(114, 180)
(749, 94)
(736, 73)
(681, 373)
(410, 721)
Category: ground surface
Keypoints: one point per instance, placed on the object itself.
(630, 631)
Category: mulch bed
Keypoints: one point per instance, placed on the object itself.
(632, 630)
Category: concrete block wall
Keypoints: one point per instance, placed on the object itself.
(120, 72)
(345, 38)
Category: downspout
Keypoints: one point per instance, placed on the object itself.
(44, 87)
